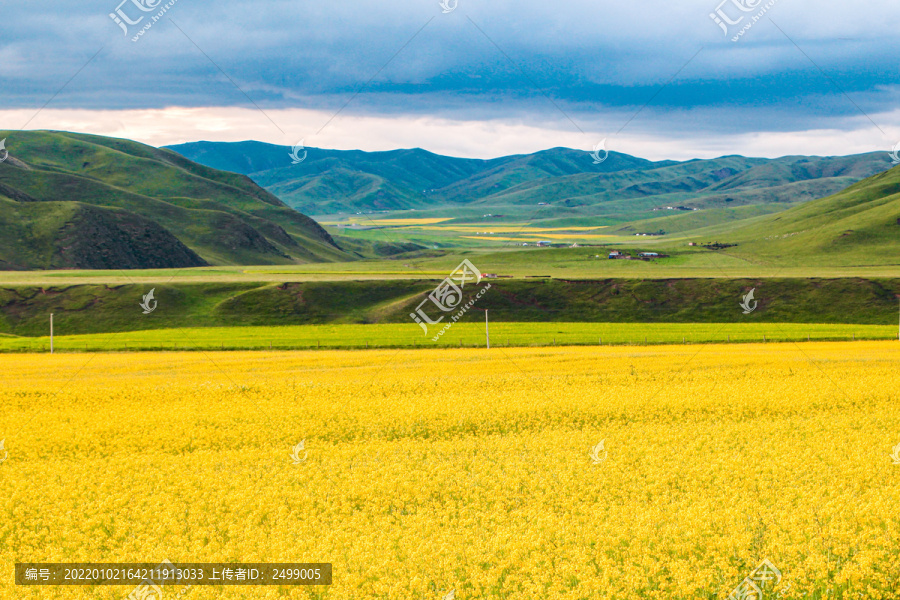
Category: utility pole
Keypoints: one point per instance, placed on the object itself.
(487, 330)
(51, 333)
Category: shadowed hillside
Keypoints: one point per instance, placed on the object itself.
(106, 308)
(83, 201)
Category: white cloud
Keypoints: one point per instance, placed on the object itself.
(486, 138)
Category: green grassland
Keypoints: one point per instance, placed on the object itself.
(856, 228)
(585, 262)
(75, 200)
(94, 309)
(860, 225)
(304, 337)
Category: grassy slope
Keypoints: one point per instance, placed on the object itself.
(858, 226)
(224, 217)
(95, 309)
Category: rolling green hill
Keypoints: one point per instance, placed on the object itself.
(333, 181)
(82, 201)
(859, 225)
(554, 184)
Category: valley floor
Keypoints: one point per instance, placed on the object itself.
(573, 263)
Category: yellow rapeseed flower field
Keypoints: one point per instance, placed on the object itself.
(473, 471)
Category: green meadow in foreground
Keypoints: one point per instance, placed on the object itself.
(304, 337)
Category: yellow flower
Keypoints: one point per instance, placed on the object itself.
(467, 470)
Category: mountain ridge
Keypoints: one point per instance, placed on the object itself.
(620, 188)
(74, 200)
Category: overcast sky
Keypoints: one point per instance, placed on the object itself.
(488, 78)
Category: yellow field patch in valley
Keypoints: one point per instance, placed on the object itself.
(536, 238)
(405, 222)
(571, 236)
(507, 229)
(495, 238)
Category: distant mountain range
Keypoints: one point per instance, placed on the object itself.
(82, 201)
(566, 184)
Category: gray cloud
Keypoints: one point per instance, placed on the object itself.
(596, 63)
